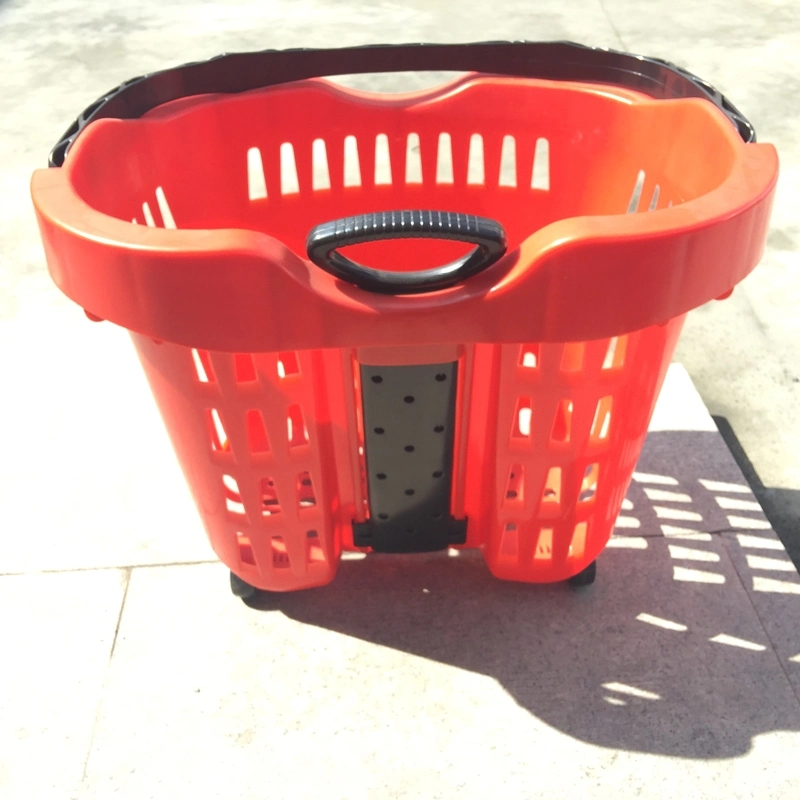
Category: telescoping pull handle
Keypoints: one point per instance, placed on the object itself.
(241, 72)
(487, 235)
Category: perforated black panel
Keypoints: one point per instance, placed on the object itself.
(409, 426)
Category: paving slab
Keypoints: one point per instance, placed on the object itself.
(772, 583)
(56, 635)
(93, 481)
(686, 481)
(424, 676)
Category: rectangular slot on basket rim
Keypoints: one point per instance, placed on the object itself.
(540, 176)
(246, 554)
(270, 504)
(654, 199)
(148, 215)
(636, 194)
(256, 183)
(306, 497)
(551, 494)
(509, 541)
(383, 161)
(508, 162)
(522, 422)
(572, 357)
(577, 546)
(475, 167)
(515, 485)
(544, 545)
(233, 497)
(320, 174)
(529, 356)
(562, 422)
(413, 159)
(589, 483)
(257, 438)
(615, 355)
(216, 431)
(166, 211)
(202, 366)
(289, 181)
(296, 430)
(244, 368)
(601, 425)
(352, 166)
(288, 364)
(444, 159)
(314, 552)
(280, 554)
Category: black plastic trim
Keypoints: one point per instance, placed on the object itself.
(409, 433)
(487, 234)
(241, 72)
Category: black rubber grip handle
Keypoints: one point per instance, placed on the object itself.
(487, 234)
(241, 72)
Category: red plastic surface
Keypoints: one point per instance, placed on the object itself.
(562, 345)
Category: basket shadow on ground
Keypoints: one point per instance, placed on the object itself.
(663, 654)
(781, 506)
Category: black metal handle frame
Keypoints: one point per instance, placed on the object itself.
(487, 234)
(241, 72)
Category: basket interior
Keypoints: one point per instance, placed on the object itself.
(285, 159)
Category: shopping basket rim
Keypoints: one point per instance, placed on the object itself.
(553, 261)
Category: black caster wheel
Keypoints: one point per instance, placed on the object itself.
(585, 577)
(241, 588)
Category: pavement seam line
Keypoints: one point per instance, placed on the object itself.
(666, 536)
(128, 572)
(611, 23)
(108, 567)
(795, 691)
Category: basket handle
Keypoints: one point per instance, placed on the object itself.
(240, 72)
(325, 239)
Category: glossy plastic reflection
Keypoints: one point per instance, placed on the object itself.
(622, 214)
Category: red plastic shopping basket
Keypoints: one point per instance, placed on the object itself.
(581, 200)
